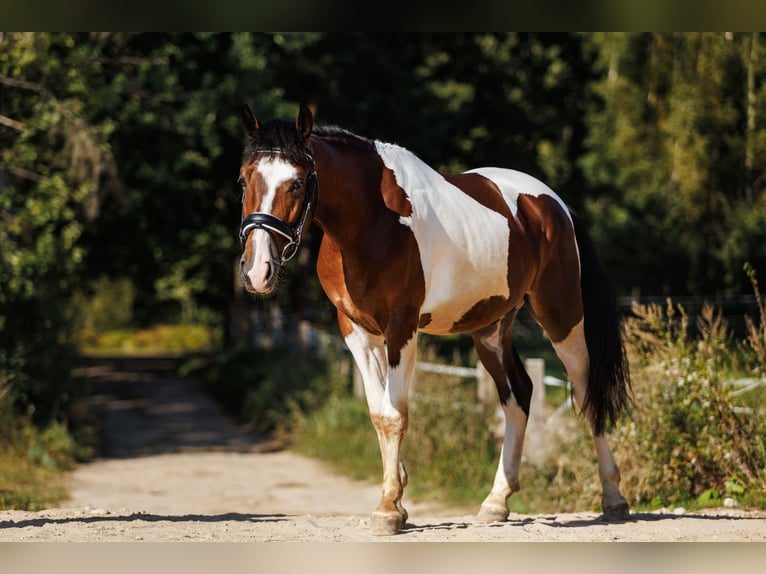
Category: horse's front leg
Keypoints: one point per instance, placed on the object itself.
(386, 385)
(390, 421)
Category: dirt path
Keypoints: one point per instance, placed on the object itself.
(175, 469)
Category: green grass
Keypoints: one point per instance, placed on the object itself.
(33, 462)
(27, 485)
(157, 340)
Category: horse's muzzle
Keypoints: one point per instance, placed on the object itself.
(258, 266)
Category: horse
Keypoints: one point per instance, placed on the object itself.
(407, 249)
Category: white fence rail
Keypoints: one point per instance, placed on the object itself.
(746, 385)
(535, 436)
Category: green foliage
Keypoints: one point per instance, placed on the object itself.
(32, 459)
(450, 451)
(262, 387)
(104, 304)
(673, 164)
(686, 435)
(160, 339)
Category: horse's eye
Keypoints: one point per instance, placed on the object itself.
(296, 186)
(241, 181)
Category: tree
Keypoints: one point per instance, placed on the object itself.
(672, 159)
(53, 161)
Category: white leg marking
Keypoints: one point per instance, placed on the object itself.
(369, 353)
(495, 506)
(386, 389)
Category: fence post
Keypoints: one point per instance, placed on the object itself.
(535, 442)
(485, 386)
(486, 393)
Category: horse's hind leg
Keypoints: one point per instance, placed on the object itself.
(573, 352)
(514, 387)
(556, 315)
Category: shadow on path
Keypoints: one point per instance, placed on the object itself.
(145, 408)
(145, 517)
(563, 521)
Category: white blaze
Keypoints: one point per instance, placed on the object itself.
(274, 172)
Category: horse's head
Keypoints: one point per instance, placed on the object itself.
(279, 194)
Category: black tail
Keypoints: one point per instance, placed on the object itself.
(608, 393)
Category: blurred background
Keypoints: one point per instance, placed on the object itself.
(119, 208)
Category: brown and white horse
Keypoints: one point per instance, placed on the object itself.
(408, 249)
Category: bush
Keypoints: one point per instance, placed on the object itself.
(32, 459)
(686, 440)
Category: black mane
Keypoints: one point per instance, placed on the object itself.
(282, 135)
(338, 133)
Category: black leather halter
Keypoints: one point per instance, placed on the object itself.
(273, 225)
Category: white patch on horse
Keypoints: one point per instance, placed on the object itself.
(463, 245)
(513, 183)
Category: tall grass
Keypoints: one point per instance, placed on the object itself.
(32, 459)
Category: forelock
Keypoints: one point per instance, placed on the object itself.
(279, 135)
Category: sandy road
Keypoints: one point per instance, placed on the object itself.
(175, 469)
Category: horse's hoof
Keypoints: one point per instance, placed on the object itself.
(618, 513)
(386, 524)
(491, 514)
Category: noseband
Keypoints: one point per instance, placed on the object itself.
(273, 225)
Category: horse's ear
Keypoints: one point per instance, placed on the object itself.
(304, 122)
(249, 122)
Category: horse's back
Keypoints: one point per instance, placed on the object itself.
(512, 184)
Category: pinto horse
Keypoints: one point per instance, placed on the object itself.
(408, 249)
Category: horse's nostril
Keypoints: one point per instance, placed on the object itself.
(269, 270)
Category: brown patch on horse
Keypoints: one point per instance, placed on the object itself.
(424, 321)
(482, 190)
(390, 427)
(482, 313)
(393, 195)
(555, 296)
(522, 252)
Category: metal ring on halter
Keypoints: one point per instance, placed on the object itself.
(271, 224)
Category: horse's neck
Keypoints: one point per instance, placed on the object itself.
(347, 186)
